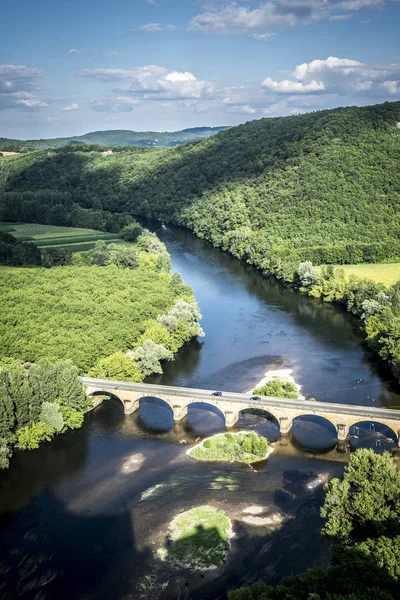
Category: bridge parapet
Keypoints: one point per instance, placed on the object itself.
(343, 417)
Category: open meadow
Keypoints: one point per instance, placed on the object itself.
(387, 273)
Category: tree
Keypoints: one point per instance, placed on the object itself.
(73, 419)
(69, 386)
(117, 366)
(366, 502)
(307, 273)
(5, 453)
(52, 415)
(7, 416)
(43, 380)
(131, 232)
(149, 355)
(384, 552)
(20, 392)
(30, 436)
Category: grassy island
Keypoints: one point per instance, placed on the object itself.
(232, 447)
(198, 539)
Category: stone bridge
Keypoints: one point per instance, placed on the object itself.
(230, 405)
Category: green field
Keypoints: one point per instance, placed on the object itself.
(34, 230)
(53, 236)
(387, 273)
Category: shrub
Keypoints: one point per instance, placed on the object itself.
(207, 444)
(131, 232)
(73, 419)
(30, 436)
(52, 415)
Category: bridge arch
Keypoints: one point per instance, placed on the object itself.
(155, 412)
(269, 424)
(314, 432)
(213, 416)
(97, 396)
(369, 433)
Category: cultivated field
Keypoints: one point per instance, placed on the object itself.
(387, 273)
(46, 236)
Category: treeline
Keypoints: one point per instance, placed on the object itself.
(50, 207)
(14, 252)
(37, 402)
(361, 514)
(377, 306)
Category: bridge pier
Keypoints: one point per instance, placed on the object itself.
(180, 412)
(231, 418)
(342, 432)
(285, 425)
(130, 406)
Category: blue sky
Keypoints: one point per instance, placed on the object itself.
(67, 68)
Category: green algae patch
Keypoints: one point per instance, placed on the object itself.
(198, 539)
(242, 447)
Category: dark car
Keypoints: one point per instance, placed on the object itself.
(255, 398)
(216, 394)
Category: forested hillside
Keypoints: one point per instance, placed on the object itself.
(323, 186)
(115, 137)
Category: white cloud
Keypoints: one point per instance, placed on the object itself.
(16, 83)
(339, 76)
(234, 17)
(111, 53)
(152, 27)
(73, 106)
(392, 87)
(75, 51)
(263, 37)
(154, 82)
(245, 109)
(14, 78)
(116, 105)
(340, 17)
(292, 87)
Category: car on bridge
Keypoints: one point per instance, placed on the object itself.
(216, 394)
(255, 398)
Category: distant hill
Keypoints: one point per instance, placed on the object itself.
(115, 137)
(323, 186)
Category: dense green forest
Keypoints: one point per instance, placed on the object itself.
(279, 193)
(113, 312)
(361, 513)
(114, 137)
(322, 186)
(111, 300)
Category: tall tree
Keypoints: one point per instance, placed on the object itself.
(7, 416)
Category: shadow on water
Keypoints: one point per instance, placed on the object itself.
(66, 555)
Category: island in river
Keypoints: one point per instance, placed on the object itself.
(241, 446)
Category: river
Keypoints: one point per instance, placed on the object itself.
(81, 517)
